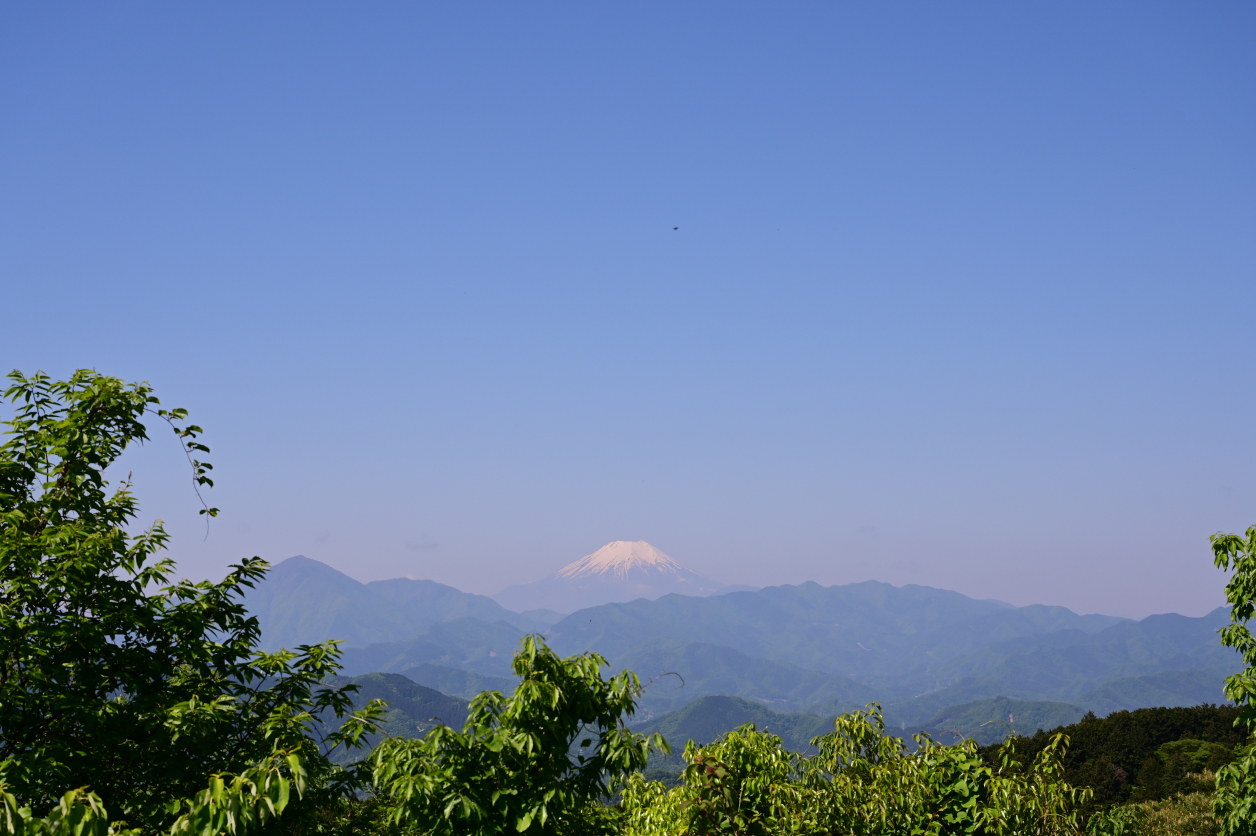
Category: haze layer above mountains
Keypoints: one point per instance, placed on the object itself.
(916, 649)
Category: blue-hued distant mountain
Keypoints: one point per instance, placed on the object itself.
(469, 644)
(458, 682)
(413, 709)
(706, 718)
(805, 648)
(684, 671)
(884, 636)
(915, 649)
(303, 601)
(990, 721)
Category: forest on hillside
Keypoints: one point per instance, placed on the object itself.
(132, 702)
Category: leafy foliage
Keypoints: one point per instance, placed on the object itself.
(861, 781)
(540, 758)
(233, 804)
(1123, 756)
(1179, 815)
(119, 688)
(1181, 767)
(1235, 802)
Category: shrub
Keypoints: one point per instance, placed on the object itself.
(540, 760)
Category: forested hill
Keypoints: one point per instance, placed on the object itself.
(1145, 754)
(705, 719)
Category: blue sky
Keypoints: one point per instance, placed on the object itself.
(961, 294)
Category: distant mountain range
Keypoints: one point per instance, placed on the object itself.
(915, 649)
(303, 601)
(620, 571)
(806, 648)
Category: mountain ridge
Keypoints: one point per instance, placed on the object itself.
(804, 647)
(305, 601)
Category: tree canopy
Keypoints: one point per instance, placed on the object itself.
(114, 677)
(1235, 802)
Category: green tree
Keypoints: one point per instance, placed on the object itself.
(114, 677)
(740, 784)
(860, 781)
(1235, 800)
(540, 760)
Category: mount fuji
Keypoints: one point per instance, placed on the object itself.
(624, 570)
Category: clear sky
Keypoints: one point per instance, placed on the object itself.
(961, 294)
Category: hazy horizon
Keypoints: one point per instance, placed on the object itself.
(949, 295)
(492, 593)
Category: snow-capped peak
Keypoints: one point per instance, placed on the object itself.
(618, 559)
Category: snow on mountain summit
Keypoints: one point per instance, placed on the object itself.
(623, 570)
(619, 558)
